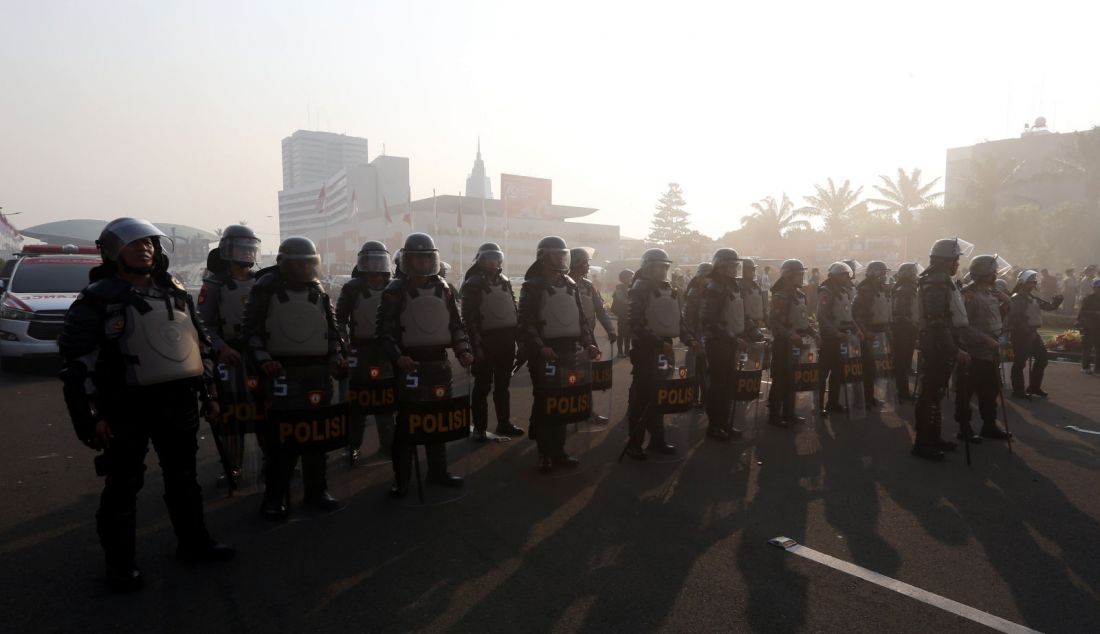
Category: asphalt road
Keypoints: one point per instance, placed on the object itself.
(625, 547)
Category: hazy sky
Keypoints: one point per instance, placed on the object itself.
(175, 110)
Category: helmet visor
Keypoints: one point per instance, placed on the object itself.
(557, 258)
(731, 268)
(491, 259)
(123, 233)
(420, 263)
(373, 262)
(302, 269)
(244, 250)
(656, 271)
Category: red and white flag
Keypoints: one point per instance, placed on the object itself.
(409, 213)
(354, 202)
(321, 200)
(386, 207)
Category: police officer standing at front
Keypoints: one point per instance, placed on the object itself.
(489, 312)
(551, 325)
(293, 337)
(904, 326)
(417, 321)
(654, 322)
(136, 364)
(722, 318)
(221, 307)
(789, 322)
(943, 318)
(871, 311)
(591, 303)
(834, 317)
(357, 317)
(985, 310)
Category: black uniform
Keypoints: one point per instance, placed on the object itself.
(535, 333)
(260, 315)
(787, 316)
(489, 313)
(722, 320)
(834, 316)
(943, 318)
(871, 311)
(143, 391)
(655, 320)
(357, 317)
(400, 336)
(904, 329)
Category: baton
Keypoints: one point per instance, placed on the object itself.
(1004, 408)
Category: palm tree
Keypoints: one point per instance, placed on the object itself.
(904, 195)
(837, 206)
(772, 219)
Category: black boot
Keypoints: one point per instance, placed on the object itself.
(1037, 391)
(661, 447)
(204, 551)
(966, 433)
(321, 500)
(635, 451)
(123, 578)
(273, 508)
(508, 429)
(990, 429)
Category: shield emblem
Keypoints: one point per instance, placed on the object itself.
(683, 373)
(314, 397)
(375, 372)
(440, 391)
(571, 378)
(251, 382)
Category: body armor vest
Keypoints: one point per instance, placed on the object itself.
(842, 307)
(364, 316)
(425, 319)
(588, 303)
(958, 308)
(880, 309)
(160, 342)
(987, 318)
(234, 294)
(297, 325)
(498, 309)
(662, 313)
(1033, 314)
(914, 304)
(754, 304)
(798, 318)
(733, 314)
(559, 315)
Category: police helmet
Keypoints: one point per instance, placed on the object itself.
(840, 269)
(983, 266)
(239, 244)
(791, 266)
(490, 255)
(626, 275)
(122, 231)
(704, 268)
(656, 265)
(554, 251)
(877, 269)
(443, 269)
(727, 262)
(373, 257)
(419, 255)
(298, 260)
(578, 257)
(946, 248)
(748, 264)
(908, 271)
(1030, 275)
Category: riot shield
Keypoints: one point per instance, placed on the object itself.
(806, 372)
(233, 434)
(748, 382)
(372, 405)
(563, 402)
(882, 354)
(602, 372)
(432, 432)
(306, 425)
(673, 404)
(851, 360)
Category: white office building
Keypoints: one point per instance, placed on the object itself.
(310, 156)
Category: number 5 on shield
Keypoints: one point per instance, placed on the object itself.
(280, 386)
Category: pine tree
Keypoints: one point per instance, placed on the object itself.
(670, 220)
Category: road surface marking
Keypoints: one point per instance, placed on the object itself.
(1083, 431)
(954, 607)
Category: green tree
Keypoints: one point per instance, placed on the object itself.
(773, 219)
(903, 196)
(670, 220)
(837, 206)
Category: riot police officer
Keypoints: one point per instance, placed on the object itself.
(293, 337)
(943, 318)
(592, 304)
(620, 307)
(489, 312)
(904, 325)
(985, 310)
(357, 317)
(417, 321)
(655, 322)
(755, 299)
(136, 363)
(552, 325)
(834, 317)
(693, 301)
(871, 312)
(1024, 320)
(722, 319)
(221, 308)
(788, 322)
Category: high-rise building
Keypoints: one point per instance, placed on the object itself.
(478, 184)
(310, 156)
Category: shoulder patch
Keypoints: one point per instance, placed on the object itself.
(202, 294)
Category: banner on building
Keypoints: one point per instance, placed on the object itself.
(525, 196)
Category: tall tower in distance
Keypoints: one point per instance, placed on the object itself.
(311, 156)
(478, 184)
